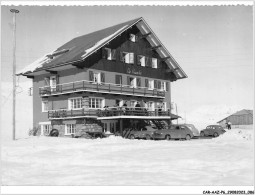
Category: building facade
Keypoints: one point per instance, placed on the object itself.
(97, 81)
(240, 119)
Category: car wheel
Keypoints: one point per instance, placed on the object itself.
(202, 134)
(167, 137)
(188, 137)
(54, 133)
(148, 137)
(215, 134)
(132, 136)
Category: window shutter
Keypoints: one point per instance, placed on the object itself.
(128, 80)
(90, 75)
(114, 54)
(159, 84)
(146, 83)
(102, 77)
(155, 84)
(104, 53)
(138, 60)
(167, 86)
(122, 57)
(138, 82)
(47, 81)
(116, 79)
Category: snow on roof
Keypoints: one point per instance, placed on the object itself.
(101, 42)
(81, 47)
(36, 64)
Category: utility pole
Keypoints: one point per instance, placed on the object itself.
(14, 11)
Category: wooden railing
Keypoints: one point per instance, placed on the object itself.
(99, 87)
(118, 111)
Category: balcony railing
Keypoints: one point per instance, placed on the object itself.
(99, 88)
(63, 113)
(114, 111)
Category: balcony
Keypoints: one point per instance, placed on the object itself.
(106, 88)
(113, 112)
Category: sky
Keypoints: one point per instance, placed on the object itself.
(212, 44)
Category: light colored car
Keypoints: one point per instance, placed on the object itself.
(212, 130)
(174, 132)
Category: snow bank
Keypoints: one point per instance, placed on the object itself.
(87, 51)
(237, 134)
(117, 161)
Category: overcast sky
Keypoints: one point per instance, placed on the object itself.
(213, 45)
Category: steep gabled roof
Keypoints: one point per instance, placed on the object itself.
(79, 48)
(239, 113)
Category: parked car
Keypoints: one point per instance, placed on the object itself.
(193, 129)
(90, 135)
(174, 132)
(212, 130)
(144, 133)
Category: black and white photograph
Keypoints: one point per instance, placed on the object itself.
(141, 94)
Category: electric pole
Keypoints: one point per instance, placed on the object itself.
(14, 11)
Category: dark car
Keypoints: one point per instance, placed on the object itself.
(90, 135)
(144, 133)
(193, 129)
(174, 132)
(212, 130)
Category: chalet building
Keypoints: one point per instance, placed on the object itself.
(240, 119)
(97, 81)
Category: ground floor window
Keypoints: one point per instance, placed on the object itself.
(45, 128)
(70, 129)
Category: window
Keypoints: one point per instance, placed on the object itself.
(75, 103)
(147, 62)
(151, 106)
(96, 103)
(140, 60)
(96, 77)
(109, 54)
(53, 83)
(132, 82)
(127, 57)
(133, 38)
(46, 129)
(45, 106)
(154, 62)
(118, 79)
(161, 85)
(70, 129)
(119, 102)
(151, 84)
(132, 103)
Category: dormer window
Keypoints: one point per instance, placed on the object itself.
(109, 54)
(154, 62)
(133, 38)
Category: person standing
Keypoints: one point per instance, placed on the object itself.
(229, 125)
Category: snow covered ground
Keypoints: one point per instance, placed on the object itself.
(226, 160)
